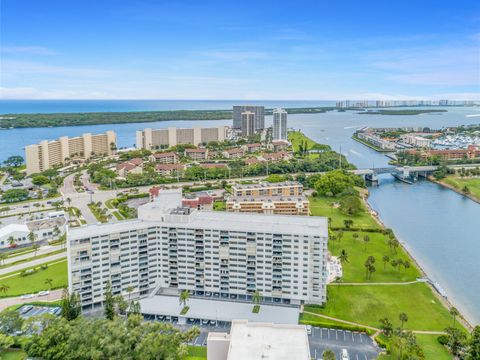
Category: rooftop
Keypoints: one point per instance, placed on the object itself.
(265, 184)
(11, 228)
(267, 198)
(267, 341)
(219, 310)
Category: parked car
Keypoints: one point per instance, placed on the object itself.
(345, 354)
(43, 293)
(309, 329)
(27, 296)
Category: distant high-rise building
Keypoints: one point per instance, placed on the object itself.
(248, 123)
(279, 124)
(259, 112)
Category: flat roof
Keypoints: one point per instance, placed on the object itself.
(219, 310)
(265, 184)
(268, 341)
(11, 228)
(215, 220)
(272, 198)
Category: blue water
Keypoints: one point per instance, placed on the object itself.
(439, 226)
(65, 106)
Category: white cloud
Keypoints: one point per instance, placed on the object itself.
(12, 67)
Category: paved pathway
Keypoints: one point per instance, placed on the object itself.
(19, 267)
(377, 330)
(380, 283)
(43, 250)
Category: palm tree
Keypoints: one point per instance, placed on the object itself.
(183, 298)
(454, 312)
(403, 318)
(257, 297)
(3, 256)
(32, 237)
(355, 236)
(12, 241)
(394, 263)
(4, 288)
(343, 257)
(129, 292)
(366, 239)
(69, 201)
(340, 236)
(49, 282)
(386, 260)
(35, 248)
(406, 265)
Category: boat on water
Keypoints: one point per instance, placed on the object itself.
(400, 177)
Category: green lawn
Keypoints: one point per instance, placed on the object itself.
(367, 304)
(459, 183)
(19, 285)
(197, 353)
(13, 355)
(323, 206)
(354, 270)
(432, 348)
(297, 137)
(32, 258)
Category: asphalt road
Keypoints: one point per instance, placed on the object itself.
(42, 250)
(53, 296)
(36, 262)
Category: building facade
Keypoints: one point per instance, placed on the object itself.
(259, 112)
(279, 124)
(164, 138)
(248, 123)
(278, 204)
(49, 154)
(171, 248)
(286, 188)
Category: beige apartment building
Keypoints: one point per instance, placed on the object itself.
(277, 204)
(163, 138)
(48, 154)
(286, 188)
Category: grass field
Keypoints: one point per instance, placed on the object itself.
(19, 285)
(12, 355)
(459, 183)
(354, 270)
(367, 304)
(197, 353)
(432, 348)
(323, 206)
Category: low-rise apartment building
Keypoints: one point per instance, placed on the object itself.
(376, 140)
(277, 204)
(164, 138)
(132, 166)
(165, 158)
(285, 188)
(170, 248)
(170, 169)
(235, 153)
(49, 154)
(196, 154)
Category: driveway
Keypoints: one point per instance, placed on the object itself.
(19, 267)
(53, 296)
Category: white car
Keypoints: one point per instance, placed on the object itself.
(345, 354)
(43, 293)
(27, 296)
(309, 329)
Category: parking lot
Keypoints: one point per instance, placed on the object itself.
(359, 345)
(27, 311)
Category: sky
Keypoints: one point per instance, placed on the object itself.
(285, 50)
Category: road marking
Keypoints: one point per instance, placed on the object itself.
(365, 356)
(328, 332)
(361, 338)
(336, 335)
(353, 338)
(357, 356)
(344, 336)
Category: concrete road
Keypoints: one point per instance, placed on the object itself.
(53, 296)
(20, 267)
(43, 250)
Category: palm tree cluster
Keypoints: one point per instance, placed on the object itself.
(369, 267)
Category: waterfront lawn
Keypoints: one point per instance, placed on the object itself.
(19, 285)
(432, 348)
(197, 353)
(367, 304)
(354, 270)
(459, 183)
(297, 138)
(323, 206)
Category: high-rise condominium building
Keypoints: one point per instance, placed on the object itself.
(279, 124)
(248, 123)
(164, 138)
(48, 154)
(259, 112)
(169, 249)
